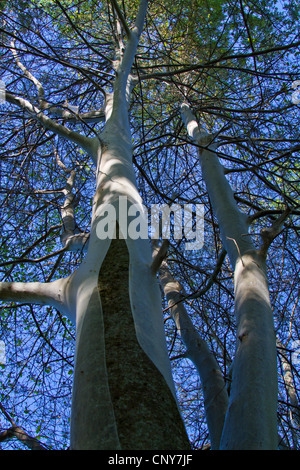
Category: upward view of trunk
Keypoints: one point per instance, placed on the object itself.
(251, 420)
(110, 146)
(121, 354)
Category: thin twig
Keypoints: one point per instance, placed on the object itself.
(121, 17)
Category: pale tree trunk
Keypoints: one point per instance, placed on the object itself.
(251, 418)
(212, 381)
(123, 391)
(134, 390)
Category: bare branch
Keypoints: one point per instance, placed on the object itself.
(66, 111)
(72, 238)
(28, 74)
(39, 293)
(15, 431)
(121, 17)
(211, 279)
(159, 255)
(270, 233)
(84, 142)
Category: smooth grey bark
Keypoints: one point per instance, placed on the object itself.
(86, 143)
(251, 420)
(72, 238)
(39, 293)
(197, 350)
(115, 180)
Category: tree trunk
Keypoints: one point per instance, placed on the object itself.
(146, 413)
(123, 394)
(251, 420)
(213, 384)
(122, 361)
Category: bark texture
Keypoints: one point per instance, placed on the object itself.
(145, 419)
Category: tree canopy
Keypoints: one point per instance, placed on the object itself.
(234, 64)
